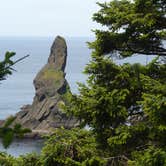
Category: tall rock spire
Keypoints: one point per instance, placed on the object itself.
(58, 53)
(50, 85)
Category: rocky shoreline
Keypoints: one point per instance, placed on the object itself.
(37, 134)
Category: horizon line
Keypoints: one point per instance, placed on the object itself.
(49, 36)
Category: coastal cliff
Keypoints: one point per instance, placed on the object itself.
(51, 87)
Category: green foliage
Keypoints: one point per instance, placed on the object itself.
(132, 27)
(31, 159)
(69, 148)
(9, 121)
(5, 65)
(64, 148)
(66, 96)
(149, 157)
(111, 99)
(7, 133)
(24, 160)
(7, 160)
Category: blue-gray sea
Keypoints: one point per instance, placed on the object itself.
(18, 89)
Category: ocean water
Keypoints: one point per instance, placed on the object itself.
(23, 146)
(18, 89)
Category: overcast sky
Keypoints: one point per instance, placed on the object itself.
(47, 17)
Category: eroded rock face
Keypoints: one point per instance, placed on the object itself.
(50, 85)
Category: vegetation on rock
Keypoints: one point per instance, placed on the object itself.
(52, 74)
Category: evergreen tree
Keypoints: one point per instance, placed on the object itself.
(132, 27)
(125, 105)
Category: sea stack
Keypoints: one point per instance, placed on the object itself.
(51, 87)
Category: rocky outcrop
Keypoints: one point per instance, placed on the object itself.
(51, 87)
